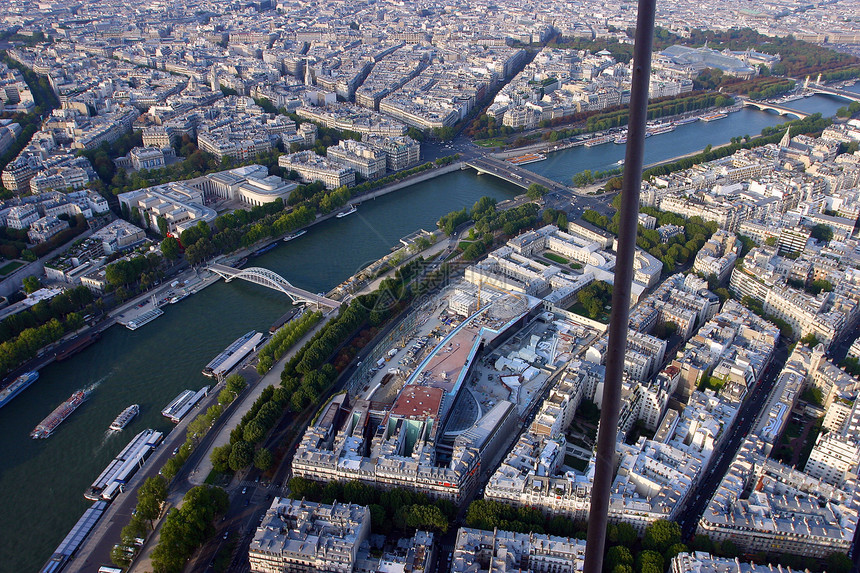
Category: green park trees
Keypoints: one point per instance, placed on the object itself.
(170, 248)
(536, 191)
(31, 284)
(594, 298)
(188, 527)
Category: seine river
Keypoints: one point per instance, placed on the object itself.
(43, 481)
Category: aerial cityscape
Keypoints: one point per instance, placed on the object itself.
(327, 287)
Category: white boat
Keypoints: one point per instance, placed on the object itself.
(295, 235)
(349, 211)
(142, 319)
(125, 417)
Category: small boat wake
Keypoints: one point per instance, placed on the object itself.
(89, 389)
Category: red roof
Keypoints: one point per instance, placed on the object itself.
(418, 402)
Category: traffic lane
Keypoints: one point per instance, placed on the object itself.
(747, 415)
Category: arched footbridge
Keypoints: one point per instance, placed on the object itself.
(272, 280)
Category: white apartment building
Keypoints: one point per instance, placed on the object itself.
(499, 551)
(298, 535)
(833, 459)
(311, 167)
(367, 161)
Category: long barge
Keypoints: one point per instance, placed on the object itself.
(79, 344)
(124, 465)
(182, 404)
(526, 158)
(594, 141)
(224, 356)
(47, 426)
(75, 538)
(265, 249)
(17, 386)
(290, 315)
(714, 116)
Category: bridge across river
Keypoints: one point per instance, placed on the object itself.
(780, 109)
(513, 173)
(817, 88)
(272, 280)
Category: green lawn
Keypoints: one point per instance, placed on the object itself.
(575, 266)
(556, 258)
(494, 142)
(11, 266)
(463, 244)
(575, 463)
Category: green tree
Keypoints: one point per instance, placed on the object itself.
(162, 226)
(618, 555)
(562, 221)
(622, 533)
(728, 548)
(151, 495)
(674, 550)
(302, 487)
(649, 561)
(536, 191)
(121, 556)
(822, 232)
(241, 455)
(263, 459)
(660, 535)
(810, 340)
(220, 458)
(235, 383)
(170, 248)
(225, 397)
(31, 284)
(838, 563)
(702, 542)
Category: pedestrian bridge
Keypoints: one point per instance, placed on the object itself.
(272, 280)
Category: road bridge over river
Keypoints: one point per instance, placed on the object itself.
(513, 173)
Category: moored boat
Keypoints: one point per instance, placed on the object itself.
(79, 344)
(714, 116)
(295, 235)
(17, 386)
(349, 211)
(686, 120)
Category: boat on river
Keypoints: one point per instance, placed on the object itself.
(47, 426)
(295, 235)
(125, 417)
(349, 211)
(17, 386)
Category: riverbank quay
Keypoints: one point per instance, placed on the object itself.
(95, 550)
(561, 145)
(196, 471)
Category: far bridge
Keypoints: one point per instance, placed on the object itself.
(780, 109)
(817, 88)
(272, 280)
(513, 173)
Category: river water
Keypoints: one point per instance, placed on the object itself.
(43, 480)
